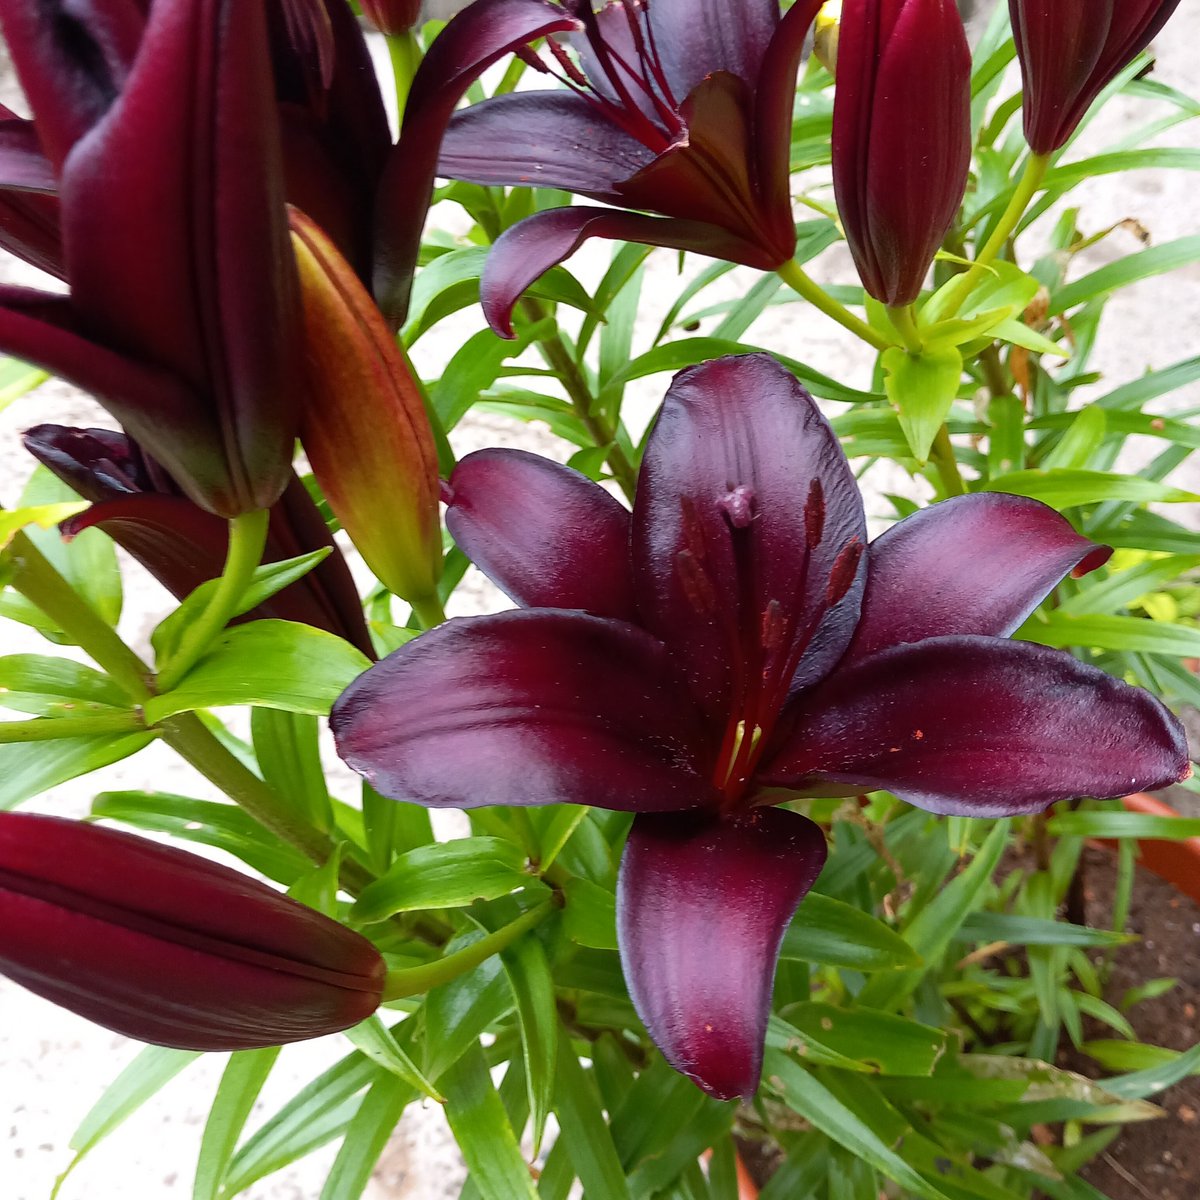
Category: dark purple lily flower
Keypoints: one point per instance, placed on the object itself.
(732, 643)
(901, 137)
(169, 948)
(142, 509)
(676, 107)
(161, 131)
(29, 214)
(1070, 50)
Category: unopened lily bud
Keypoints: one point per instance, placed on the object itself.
(365, 429)
(166, 947)
(392, 16)
(901, 137)
(1070, 50)
(825, 35)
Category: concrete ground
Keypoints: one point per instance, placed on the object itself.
(53, 1066)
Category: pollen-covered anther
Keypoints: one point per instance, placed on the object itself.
(814, 515)
(738, 505)
(845, 567)
(694, 580)
(774, 625)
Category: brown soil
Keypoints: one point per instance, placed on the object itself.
(1153, 1160)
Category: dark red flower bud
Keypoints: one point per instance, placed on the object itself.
(169, 948)
(1070, 50)
(392, 16)
(901, 137)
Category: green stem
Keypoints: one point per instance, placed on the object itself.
(904, 318)
(793, 275)
(405, 53)
(412, 981)
(428, 610)
(1028, 185)
(247, 537)
(41, 584)
(44, 729)
(557, 356)
(942, 457)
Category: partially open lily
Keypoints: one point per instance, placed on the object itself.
(161, 133)
(743, 645)
(676, 107)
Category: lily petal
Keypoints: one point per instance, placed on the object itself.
(527, 707)
(974, 564)
(544, 533)
(748, 534)
(540, 139)
(698, 38)
(531, 247)
(980, 727)
(29, 213)
(702, 907)
(775, 98)
(477, 37)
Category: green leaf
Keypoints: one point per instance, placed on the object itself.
(278, 664)
(241, 1082)
(16, 379)
(456, 1013)
(381, 1046)
(1113, 633)
(1145, 264)
(264, 583)
(209, 823)
(671, 356)
(29, 768)
(12, 521)
(483, 1133)
(1017, 333)
(444, 875)
(590, 914)
(148, 1074)
(366, 1136)
(825, 930)
(891, 1045)
(808, 1097)
(533, 991)
(1081, 441)
(289, 757)
(88, 562)
(1108, 824)
(584, 1131)
(1017, 930)
(474, 369)
(921, 388)
(1123, 587)
(317, 1114)
(56, 687)
(1065, 489)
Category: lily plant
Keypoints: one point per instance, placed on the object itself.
(744, 646)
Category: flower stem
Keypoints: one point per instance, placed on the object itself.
(557, 356)
(794, 276)
(941, 454)
(428, 610)
(1031, 179)
(38, 581)
(904, 319)
(412, 981)
(44, 729)
(247, 537)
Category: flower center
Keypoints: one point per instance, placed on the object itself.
(631, 88)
